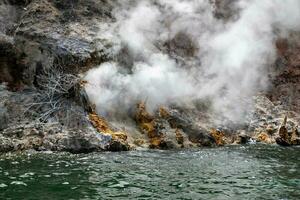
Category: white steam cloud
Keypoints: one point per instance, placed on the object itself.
(177, 51)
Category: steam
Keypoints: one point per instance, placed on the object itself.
(177, 51)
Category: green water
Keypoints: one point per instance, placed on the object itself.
(249, 172)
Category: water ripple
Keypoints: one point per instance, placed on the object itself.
(249, 172)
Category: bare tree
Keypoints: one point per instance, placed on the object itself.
(54, 87)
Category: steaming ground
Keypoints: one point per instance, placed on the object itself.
(180, 52)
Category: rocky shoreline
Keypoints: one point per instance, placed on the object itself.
(168, 129)
(44, 42)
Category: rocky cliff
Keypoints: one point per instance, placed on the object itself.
(47, 46)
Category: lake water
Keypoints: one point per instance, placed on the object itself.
(237, 172)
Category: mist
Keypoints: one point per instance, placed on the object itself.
(178, 52)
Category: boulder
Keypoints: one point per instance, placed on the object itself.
(79, 142)
(243, 138)
(285, 137)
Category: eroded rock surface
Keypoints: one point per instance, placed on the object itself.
(37, 36)
(42, 33)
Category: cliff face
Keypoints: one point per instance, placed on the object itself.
(285, 76)
(47, 45)
(40, 34)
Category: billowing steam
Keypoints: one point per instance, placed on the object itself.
(179, 51)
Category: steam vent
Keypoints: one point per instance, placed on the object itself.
(121, 79)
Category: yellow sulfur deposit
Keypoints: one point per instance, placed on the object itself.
(146, 122)
(264, 137)
(102, 126)
(218, 136)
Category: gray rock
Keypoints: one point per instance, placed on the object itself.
(79, 142)
(67, 140)
(3, 117)
(190, 127)
(6, 145)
